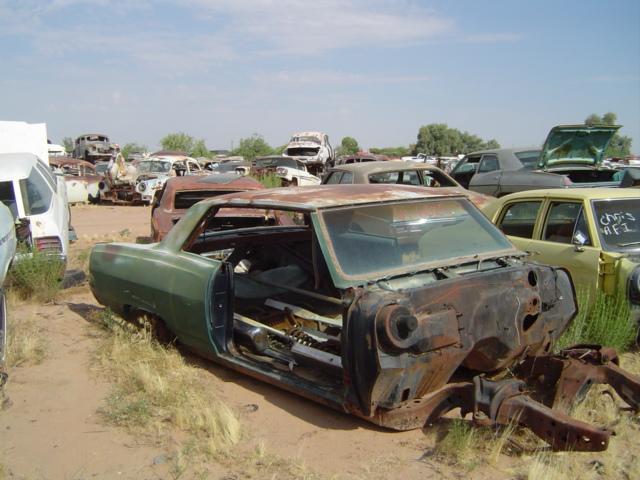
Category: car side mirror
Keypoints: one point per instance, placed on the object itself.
(579, 239)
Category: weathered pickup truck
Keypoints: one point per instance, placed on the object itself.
(393, 303)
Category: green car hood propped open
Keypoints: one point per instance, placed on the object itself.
(576, 144)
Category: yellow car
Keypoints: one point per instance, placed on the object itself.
(592, 232)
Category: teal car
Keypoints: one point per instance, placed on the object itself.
(393, 303)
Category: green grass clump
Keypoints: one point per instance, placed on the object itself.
(606, 321)
(458, 446)
(269, 180)
(35, 275)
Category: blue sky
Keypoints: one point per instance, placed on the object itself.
(373, 69)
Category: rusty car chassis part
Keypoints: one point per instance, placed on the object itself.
(561, 380)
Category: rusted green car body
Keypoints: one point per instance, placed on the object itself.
(393, 303)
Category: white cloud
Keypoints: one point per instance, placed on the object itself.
(333, 78)
(297, 26)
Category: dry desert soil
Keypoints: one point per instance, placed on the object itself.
(50, 426)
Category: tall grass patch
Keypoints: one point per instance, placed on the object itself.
(155, 391)
(605, 321)
(26, 342)
(269, 180)
(35, 275)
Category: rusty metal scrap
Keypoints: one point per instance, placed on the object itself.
(545, 387)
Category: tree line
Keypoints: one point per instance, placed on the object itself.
(436, 139)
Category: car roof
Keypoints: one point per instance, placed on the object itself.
(505, 150)
(91, 134)
(596, 193)
(325, 196)
(14, 166)
(383, 166)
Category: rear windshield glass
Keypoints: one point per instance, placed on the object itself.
(36, 193)
(371, 240)
(185, 200)
(618, 223)
(275, 162)
(529, 159)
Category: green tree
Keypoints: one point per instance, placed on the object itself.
(130, 148)
(199, 149)
(392, 151)
(279, 150)
(440, 140)
(348, 146)
(252, 147)
(185, 143)
(68, 144)
(620, 145)
(177, 141)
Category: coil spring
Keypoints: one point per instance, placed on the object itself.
(303, 338)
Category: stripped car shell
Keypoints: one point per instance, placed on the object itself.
(180, 193)
(373, 299)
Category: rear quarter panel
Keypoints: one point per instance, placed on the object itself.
(172, 285)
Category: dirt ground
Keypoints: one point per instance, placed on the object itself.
(50, 427)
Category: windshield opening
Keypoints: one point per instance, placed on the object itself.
(618, 223)
(401, 237)
(302, 152)
(306, 138)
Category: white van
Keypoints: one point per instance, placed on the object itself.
(30, 190)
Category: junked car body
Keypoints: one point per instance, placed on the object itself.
(359, 158)
(139, 181)
(399, 173)
(81, 179)
(31, 191)
(593, 232)
(7, 251)
(290, 170)
(93, 147)
(311, 148)
(388, 302)
(181, 193)
(571, 156)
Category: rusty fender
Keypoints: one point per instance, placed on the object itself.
(559, 381)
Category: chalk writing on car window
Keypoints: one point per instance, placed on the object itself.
(616, 223)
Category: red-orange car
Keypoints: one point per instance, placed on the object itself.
(180, 193)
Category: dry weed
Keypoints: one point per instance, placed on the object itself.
(26, 342)
(156, 391)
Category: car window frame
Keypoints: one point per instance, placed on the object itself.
(536, 222)
(593, 241)
(482, 161)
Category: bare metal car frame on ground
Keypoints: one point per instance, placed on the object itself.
(394, 303)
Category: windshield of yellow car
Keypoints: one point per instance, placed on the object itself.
(392, 238)
(618, 223)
